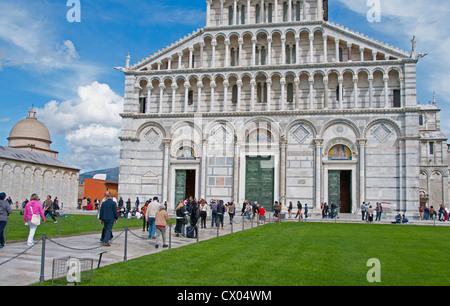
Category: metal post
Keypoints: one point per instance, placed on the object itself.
(41, 278)
(170, 236)
(243, 221)
(59, 225)
(196, 227)
(125, 247)
(217, 230)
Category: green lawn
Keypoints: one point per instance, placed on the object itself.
(71, 225)
(295, 254)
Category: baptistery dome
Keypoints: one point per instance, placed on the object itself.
(31, 134)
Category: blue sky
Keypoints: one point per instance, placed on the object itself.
(66, 69)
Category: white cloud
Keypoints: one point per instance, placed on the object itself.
(91, 125)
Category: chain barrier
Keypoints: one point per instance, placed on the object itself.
(82, 249)
(21, 253)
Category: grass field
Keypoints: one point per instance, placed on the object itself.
(296, 254)
(71, 225)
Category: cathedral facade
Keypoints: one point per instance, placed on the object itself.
(272, 102)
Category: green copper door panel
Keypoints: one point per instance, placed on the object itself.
(180, 186)
(259, 184)
(334, 187)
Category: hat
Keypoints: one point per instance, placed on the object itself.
(2, 195)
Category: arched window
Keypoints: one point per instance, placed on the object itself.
(258, 13)
(285, 11)
(290, 92)
(269, 13)
(261, 92)
(142, 105)
(191, 97)
(234, 95)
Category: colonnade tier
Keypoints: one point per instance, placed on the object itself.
(346, 88)
(271, 46)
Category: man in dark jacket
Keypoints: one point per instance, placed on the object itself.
(5, 211)
(108, 216)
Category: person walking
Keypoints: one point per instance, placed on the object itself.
(220, 213)
(231, 211)
(150, 216)
(48, 208)
(290, 209)
(108, 217)
(161, 219)
(145, 223)
(5, 211)
(379, 210)
(180, 213)
(33, 208)
(214, 205)
(203, 213)
(363, 211)
(370, 214)
(262, 215)
(306, 211)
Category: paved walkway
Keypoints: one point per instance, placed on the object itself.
(25, 269)
(21, 265)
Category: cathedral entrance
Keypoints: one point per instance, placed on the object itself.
(184, 185)
(259, 181)
(340, 189)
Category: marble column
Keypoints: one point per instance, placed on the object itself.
(186, 96)
(213, 59)
(199, 96)
(283, 145)
(355, 91)
(149, 97)
(174, 91)
(213, 86)
(226, 86)
(161, 96)
(318, 172)
(325, 49)
(386, 92)
(165, 183)
(362, 170)
(283, 93)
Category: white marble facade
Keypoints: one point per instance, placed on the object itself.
(279, 82)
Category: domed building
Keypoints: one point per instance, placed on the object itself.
(28, 165)
(32, 135)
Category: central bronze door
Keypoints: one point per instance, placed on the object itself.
(259, 181)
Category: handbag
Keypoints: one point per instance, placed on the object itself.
(35, 219)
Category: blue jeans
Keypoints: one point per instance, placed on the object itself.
(151, 227)
(2, 228)
(213, 218)
(107, 226)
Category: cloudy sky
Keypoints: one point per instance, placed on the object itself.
(65, 69)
